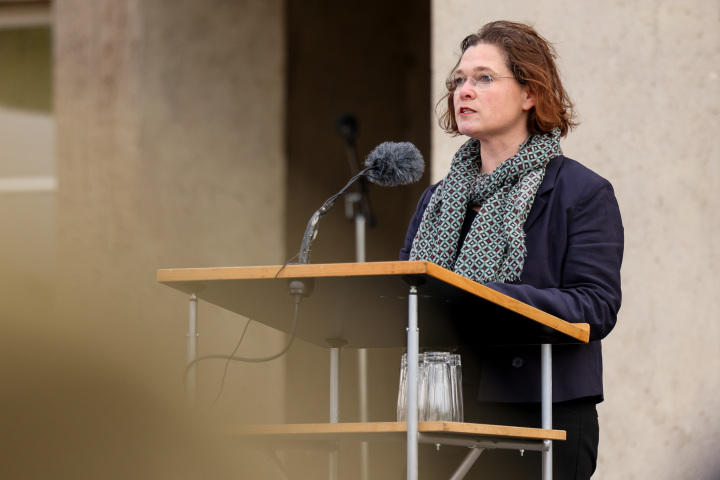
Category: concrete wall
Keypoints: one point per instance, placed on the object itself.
(27, 183)
(169, 154)
(644, 76)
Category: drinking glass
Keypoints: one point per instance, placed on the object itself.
(456, 388)
(402, 391)
(435, 396)
(439, 388)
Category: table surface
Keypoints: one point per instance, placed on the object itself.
(390, 431)
(364, 305)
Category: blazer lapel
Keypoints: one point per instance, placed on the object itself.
(544, 190)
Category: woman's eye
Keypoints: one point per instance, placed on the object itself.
(484, 79)
(459, 82)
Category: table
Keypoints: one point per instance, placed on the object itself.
(363, 305)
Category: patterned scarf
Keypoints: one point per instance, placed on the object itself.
(494, 249)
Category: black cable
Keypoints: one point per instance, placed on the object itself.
(298, 297)
(312, 226)
(286, 264)
(227, 364)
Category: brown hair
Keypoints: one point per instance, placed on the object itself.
(531, 59)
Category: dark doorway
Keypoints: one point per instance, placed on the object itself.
(371, 60)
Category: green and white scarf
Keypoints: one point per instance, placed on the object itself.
(494, 249)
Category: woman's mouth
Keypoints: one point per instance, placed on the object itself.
(465, 111)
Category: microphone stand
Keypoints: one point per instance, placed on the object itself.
(357, 203)
(357, 208)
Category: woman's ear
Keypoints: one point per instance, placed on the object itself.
(528, 99)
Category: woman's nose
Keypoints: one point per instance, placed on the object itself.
(466, 90)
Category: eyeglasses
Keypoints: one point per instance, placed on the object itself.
(480, 82)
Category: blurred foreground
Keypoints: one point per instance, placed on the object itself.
(70, 414)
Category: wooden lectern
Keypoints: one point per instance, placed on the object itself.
(377, 304)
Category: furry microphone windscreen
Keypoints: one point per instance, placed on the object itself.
(395, 163)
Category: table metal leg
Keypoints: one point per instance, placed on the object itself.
(335, 345)
(334, 464)
(334, 385)
(546, 406)
(362, 389)
(192, 341)
(279, 467)
(412, 382)
(466, 464)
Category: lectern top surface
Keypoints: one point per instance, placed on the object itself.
(364, 305)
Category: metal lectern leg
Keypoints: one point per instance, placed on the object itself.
(334, 385)
(412, 381)
(192, 341)
(467, 463)
(333, 461)
(546, 406)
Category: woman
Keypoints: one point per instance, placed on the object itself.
(516, 215)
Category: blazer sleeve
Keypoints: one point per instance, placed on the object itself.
(587, 276)
(415, 221)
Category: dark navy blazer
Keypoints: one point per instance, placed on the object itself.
(574, 240)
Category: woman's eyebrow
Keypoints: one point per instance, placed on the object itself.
(476, 69)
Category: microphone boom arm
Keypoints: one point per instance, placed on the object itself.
(312, 226)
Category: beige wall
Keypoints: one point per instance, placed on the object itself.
(644, 76)
(27, 214)
(169, 154)
(27, 182)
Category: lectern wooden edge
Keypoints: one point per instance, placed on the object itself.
(211, 284)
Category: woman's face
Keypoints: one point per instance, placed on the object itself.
(498, 111)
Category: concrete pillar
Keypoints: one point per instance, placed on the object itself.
(645, 81)
(169, 154)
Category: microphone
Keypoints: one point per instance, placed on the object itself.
(390, 164)
(395, 163)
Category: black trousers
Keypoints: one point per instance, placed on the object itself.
(573, 459)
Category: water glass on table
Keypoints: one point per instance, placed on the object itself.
(439, 388)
